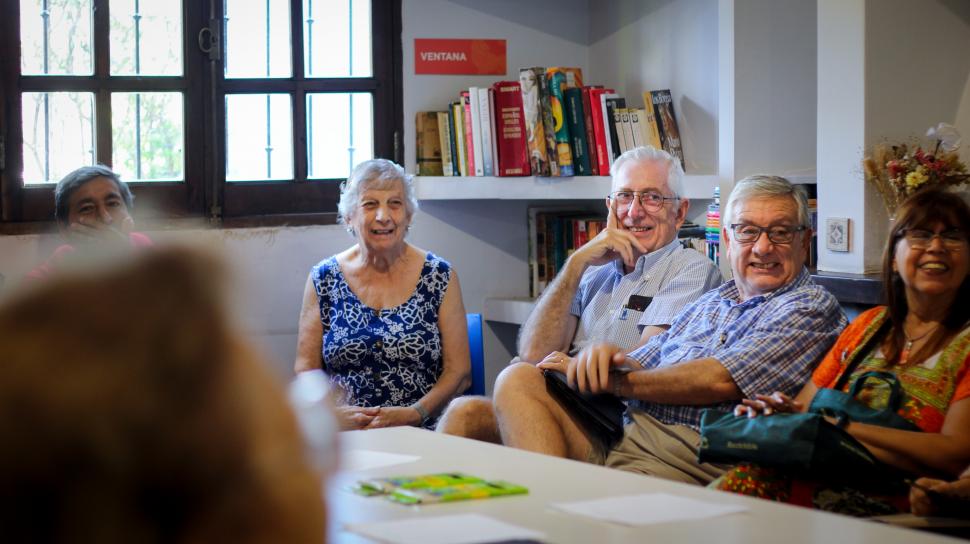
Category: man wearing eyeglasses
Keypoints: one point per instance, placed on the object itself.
(764, 330)
(625, 285)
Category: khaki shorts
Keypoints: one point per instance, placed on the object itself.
(656, 449)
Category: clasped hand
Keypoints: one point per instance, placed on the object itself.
(766, 405)
(352, 418)
(590, 370)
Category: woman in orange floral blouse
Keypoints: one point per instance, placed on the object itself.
(926, 267)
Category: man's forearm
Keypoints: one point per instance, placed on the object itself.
(549, 324)
(695, 383)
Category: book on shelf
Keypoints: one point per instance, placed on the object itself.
(663, 110)
(532, 116)
(485, 132)
(428, 148)
(577, 131)
(554, 233)
(556, 82)
(600, 131)
(622, 120)
(651, 131)
(627, 126)
(635, 128)
(458, 130)
(478, 153)
(447, 143)
(573, 75)
(548, 123)
(512, 146)
(492, 137)
(611, 103)
(590, 132)
(470, 156)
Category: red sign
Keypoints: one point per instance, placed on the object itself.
(464, 57)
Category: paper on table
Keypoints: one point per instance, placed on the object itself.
(457, 529)
(648, 509)
(357, 460)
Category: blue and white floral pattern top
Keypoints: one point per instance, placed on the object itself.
(387, 357)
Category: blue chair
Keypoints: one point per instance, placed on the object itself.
(477, 348)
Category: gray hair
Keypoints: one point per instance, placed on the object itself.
(374, 174)
(76, 179)
(675, 174)
(764, 186)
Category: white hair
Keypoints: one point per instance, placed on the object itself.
(675, 174)
(764, 186)
(374, 174)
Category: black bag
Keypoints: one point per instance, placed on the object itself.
(601, 415)
(804, 442)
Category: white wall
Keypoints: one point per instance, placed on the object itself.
(888, 70)
(638, 46)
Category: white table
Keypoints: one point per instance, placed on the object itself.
(558, 480)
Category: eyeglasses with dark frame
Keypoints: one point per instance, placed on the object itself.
(652, 201)
(953, 239)
(780, 235)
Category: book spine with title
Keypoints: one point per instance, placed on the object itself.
(512, 147)
(556, 81)
(577, 131)
(532, 117)
(428, 148)
(447, 144)
(663, 110)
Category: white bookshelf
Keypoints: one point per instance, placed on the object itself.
(513, 310)
(537, 188)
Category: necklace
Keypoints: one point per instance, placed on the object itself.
(910, 341)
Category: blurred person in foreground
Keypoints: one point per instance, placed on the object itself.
(92, 207)
(926, 282)
(384, 319)
(131, 412)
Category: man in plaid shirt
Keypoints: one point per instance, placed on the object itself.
(762, 331)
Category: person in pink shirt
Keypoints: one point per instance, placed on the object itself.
(92, 207)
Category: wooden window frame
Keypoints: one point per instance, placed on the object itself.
(204, 193)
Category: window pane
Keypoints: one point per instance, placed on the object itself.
(340, 133)
(55, 37)
(58, 134)
(146, 136)
(258, 38)
(259, 137)
(146, 37)
(337, 38)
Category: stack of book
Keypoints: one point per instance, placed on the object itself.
(546, 124)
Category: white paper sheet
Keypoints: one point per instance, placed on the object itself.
(647, 509)
(457, 529)
(357, 460)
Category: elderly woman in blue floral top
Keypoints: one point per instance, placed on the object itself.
(384, 319)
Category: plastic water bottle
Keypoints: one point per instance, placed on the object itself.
(712, 233)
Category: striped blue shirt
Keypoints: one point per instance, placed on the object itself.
(768, 342)
(672, 276)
